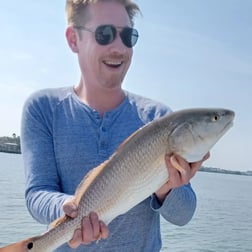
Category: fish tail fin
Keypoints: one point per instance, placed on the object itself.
(22, 246)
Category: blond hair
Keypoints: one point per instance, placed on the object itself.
(76, 10)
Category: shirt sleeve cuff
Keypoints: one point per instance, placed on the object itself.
(178, 206)
(157, 206)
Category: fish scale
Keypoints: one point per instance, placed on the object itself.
(136, 170)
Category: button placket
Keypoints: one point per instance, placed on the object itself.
(104, 138)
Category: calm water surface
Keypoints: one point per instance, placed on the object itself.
(222, 222)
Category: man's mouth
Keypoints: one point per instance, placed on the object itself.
(113, 63)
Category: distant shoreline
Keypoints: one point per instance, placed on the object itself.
(10, 144)
(224, 171)
(202, 169)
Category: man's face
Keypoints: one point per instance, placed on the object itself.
(104, 65)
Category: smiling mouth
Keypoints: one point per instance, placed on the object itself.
(113, 63)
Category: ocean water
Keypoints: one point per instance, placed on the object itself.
(222, 222)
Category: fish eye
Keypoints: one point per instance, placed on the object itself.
(215, 118)
(30, 245)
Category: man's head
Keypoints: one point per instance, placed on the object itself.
(76, 10)
(101, 33)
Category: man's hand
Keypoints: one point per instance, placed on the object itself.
(178, 178)
(92, 229)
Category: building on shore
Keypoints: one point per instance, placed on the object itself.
(10, 144)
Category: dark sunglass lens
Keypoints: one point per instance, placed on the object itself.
(129, 36)
(105, 34)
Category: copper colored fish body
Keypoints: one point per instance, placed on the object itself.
(136, 170)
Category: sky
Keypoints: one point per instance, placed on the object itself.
(190, 53)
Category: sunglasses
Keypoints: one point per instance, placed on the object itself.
(106, 34)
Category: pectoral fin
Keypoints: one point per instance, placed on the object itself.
(176, 165)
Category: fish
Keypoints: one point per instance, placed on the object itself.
(136, 170)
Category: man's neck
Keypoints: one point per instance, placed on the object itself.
(100, 99)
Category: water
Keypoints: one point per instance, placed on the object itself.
(222, 222)
(223, 219)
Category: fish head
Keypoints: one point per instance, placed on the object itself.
(196, 131)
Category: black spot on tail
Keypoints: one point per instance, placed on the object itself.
(30, 245)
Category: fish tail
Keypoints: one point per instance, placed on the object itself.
(22, 246)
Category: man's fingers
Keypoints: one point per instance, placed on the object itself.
(95, 225)
(100, 230)
(70, 208)
(92, 229)
(87, 230)
(196, 165)
(104, 231)
(182, 166)
(206, 156)
(76, 240)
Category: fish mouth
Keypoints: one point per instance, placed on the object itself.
(230, 123)
(227, 127)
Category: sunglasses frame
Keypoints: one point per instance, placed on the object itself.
(128, 35)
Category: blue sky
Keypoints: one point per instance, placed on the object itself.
(191, 53)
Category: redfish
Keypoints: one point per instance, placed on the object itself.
(136, 170)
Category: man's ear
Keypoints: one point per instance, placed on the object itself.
(71, 37)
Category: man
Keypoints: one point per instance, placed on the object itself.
(68, 131)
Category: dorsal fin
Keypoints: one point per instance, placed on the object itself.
(58, 221)
(127, 140)
(91, 175)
